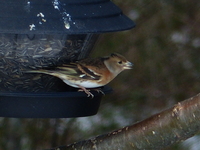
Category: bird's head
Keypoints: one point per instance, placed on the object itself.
(117, 63)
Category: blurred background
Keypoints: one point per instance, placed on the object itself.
(164, 47)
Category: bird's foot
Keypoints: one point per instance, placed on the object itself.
(99, 91)
(82, 89)
(87, 91)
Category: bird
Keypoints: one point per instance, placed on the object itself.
(89, 73)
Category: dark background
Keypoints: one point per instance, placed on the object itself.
(164, 48)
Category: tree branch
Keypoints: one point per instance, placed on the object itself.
(161, 130)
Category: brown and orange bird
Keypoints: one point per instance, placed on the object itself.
(89, 72)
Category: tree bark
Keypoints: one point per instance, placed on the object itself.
(157, 132)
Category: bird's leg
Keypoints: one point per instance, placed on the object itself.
(86, 91)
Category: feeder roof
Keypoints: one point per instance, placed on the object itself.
(61, 16)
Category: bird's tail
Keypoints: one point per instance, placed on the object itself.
(59, 74)
(49, 72)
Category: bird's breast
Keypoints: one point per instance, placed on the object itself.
(83, 83)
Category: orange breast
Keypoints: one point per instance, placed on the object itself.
(107, 76)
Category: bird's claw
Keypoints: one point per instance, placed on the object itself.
(99, 91)
(90, 94)
(87, 92)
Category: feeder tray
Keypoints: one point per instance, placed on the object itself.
(50, 105)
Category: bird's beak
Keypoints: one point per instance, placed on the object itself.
(128, 65)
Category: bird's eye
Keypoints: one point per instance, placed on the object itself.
(120, 62)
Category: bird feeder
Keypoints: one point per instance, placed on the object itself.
(37, 34)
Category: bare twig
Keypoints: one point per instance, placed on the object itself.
(159, 131)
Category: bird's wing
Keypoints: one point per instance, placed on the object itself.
(74, 71)
(78, 71)
(70, 69)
